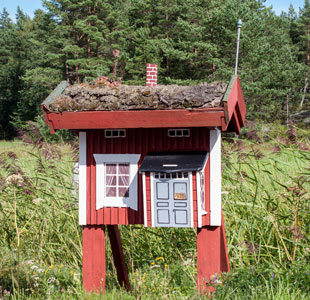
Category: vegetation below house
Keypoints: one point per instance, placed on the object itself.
(266, 184)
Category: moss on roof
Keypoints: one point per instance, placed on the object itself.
(96, 96)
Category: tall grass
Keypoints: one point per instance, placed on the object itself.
(266, 209)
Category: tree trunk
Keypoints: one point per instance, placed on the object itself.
(307, 64)
(305, 90)
(287, 112)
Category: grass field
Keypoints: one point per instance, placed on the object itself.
(266, 193)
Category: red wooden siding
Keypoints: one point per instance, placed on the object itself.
(148, 199)
(137, 141)
(194, 185)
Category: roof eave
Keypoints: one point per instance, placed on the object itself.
(234, 105)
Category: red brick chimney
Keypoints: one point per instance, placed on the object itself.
(151, 75)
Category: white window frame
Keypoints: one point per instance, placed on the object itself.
(119, 133)
(132, 200)
(173, 132)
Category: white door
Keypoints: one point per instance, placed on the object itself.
(171, 199)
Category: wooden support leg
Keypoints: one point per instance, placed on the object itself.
(212, 256)
(118, 256)
(94, 265)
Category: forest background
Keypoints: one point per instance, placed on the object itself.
(191, 41)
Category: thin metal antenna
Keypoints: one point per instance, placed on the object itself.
(238, 40)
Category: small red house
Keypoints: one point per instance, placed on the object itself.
(149, 155)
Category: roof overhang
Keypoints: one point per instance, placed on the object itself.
(173, 162)
(230, 116)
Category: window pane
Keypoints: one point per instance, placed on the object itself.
(110, 180)
(123, 169)
(123, 192)
(111, 168)
(123, 180)
(110, 191)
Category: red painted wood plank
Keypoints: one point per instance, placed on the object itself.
(148, 200)
(241, 105)
(118, 256)
(231, 101)
(89, 178)
(96, 149)
(113, 218)
(93, 180)
(235, 121)
(121, 216)
(101, 149)
(136, 119)
(94, 264)
(140, 211)
(212, 255)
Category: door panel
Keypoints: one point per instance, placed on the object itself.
(181, 217)
(162, 204)
(162, 190)
(163, 216)
(180, 190)
(178, 204)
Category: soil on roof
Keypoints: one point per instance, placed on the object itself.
(85, 97)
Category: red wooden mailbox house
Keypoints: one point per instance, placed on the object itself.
(149, 155)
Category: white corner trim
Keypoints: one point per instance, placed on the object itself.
(144, 198)
(101, 200)
(198, 189)
(152, 200)
(215, 178)
(82, 177)
(191, 199)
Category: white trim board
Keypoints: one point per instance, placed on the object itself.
(198, 188)
(191, 200)
(82, 177)
(215, 178)
(144, 198)
(152, 200)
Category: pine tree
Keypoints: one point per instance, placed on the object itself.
(303, 27)
(10, 69)
(90, 31)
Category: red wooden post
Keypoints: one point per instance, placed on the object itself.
(212, 255)
(94, 266)
(118, 256)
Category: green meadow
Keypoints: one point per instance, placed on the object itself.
(266, 199)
